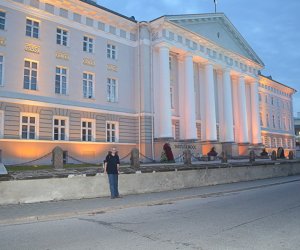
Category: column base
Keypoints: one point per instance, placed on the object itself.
(230, 148)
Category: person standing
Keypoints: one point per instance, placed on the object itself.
(111, 168)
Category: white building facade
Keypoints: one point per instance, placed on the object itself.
(77, 75)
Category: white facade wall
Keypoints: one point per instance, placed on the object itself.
(172, 82)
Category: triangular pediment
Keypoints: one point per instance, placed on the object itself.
(218, 29)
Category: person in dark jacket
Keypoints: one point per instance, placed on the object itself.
(111, 168)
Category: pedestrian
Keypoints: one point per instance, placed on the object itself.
(111, 168)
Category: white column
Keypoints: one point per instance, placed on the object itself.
(256, 129)
(189, 93)
(164, 95)
(210, 106)
(227, 107)
(243, 123)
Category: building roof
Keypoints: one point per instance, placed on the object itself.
(93, 3)
(270, 78)
(184, 21)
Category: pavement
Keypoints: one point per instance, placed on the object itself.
(57, 210)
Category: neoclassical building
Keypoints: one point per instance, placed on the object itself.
(77, 75)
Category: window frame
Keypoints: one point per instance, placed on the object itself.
(87, 45)
(30, 75)
(62, 36)
(109, 84)
(88, 96)
(66, 118)
(2, 70)
(3, 18)
(1, 123)
(60, 74)
(93, 129)
(111, 53)
(36, 125)
(32, 27)
(116, 130)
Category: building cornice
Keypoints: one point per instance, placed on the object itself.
(69, 22)
(205, 48)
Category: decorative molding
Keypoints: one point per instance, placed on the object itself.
(112, 67)
(62, 55)
(32, 48)
(89, 62)
(2, 41)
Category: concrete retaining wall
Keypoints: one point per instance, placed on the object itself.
(77, 187)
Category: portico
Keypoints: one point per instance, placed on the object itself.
(214, 90)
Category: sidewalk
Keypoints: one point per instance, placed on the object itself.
(28, 213)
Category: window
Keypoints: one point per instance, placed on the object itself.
(112, 90)
(87, 130)
(272, 100)
(32, 28)
(267, 120)
(61, 37)
(29, 124)
(88, 44)
(279, 122)
(172, 97)
(261, 120)
(60, 128)
(30, 75)
(88, 85)
(1, 69)
(2, 20)
(112, 132)
(274, 143)
(61, 80)
(174, 132)
(170, 63)
(1, 123)
(259, 97)
(273, 120)
(284, 123)
(111, 51)
(266, 99)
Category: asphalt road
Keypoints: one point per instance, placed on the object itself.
(267, 217)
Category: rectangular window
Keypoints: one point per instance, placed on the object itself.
(61, 37)
(259, 97)
(267, 120)
(29, 124)
(87, 130)
(60, 128)
(111, 51)
(1, 70)
(112, 90)
(88, 85)
(1, 123)
(279, 122)
(61, 80)
(171, 97)
(2, 20)
(261, 120)
(32, 28)
(273, 121)
(88, 44)
(30, 75)
(112, 134)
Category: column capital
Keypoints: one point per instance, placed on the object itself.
(162, 45)
(183, 56)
